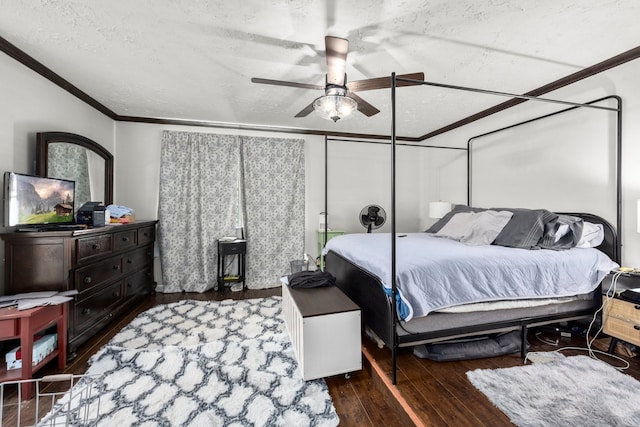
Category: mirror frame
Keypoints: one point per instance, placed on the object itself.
(43, 140)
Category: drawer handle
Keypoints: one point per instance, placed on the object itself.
(86, 310)
(87, 280)
(145, 234)
(116, 294)
(637, 307)
(116, 267)
(129, 285)
(129, 261)
(96, 246)
(125, 239)
(636, 327)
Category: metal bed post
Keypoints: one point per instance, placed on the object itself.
(619, 178)
(394, 290)
(326, 186)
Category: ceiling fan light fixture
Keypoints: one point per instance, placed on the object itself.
(335, 107)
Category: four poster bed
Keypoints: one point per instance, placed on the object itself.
(431, 276)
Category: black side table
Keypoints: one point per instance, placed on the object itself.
(228, 249)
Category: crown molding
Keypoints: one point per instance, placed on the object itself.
(31, 63)
(607, 64)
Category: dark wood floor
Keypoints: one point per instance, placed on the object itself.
(427, 393)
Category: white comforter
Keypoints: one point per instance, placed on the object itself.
(435, 273)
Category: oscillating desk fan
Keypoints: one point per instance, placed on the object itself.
(372, 217)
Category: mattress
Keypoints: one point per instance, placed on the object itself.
(434, 273)
(438, 325)
(506, 304)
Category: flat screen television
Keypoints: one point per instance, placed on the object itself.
(34, 200)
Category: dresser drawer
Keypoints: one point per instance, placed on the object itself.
(137, 259)
(624, 330)
(624, 310)
(124, 240)
(138, 283)
(622, 320)
(9, 328)
(98, 273)
(99, 305)
(146, 235)
(89, 247)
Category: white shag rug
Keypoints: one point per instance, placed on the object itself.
(204, 363)
(562, 391)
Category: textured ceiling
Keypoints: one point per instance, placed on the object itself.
(193, 59)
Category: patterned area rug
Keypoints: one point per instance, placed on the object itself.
(206, 363)
(567, 391)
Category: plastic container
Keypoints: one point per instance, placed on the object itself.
(299, 265)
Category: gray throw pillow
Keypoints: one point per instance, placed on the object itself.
(526, 228)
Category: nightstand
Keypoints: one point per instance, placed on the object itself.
(227, 250)
(621, 316)
(23, 325)
(321, 242)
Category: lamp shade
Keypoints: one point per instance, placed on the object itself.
(439, 209)
(335, 107)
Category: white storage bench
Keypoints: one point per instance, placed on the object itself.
(325, 330)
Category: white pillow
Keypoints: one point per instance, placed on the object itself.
(562, 230)
(475, 228)
(458, 226)
(592, 235)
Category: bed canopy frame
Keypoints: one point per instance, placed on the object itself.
(393, 143)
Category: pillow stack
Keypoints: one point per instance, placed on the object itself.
(517, 228)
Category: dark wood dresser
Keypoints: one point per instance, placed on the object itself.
(111, 267)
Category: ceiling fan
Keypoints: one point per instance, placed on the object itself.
(340, 100)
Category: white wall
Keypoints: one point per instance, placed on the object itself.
(29, 104)
(583, 140)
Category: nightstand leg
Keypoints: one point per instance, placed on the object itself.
(612, 345)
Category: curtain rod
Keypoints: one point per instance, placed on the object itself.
(511, 95)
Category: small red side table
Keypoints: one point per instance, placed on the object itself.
(24, 324)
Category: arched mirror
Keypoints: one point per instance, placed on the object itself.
(74, 157)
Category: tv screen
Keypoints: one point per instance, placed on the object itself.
(35, 200)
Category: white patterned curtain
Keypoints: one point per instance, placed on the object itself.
(199, 176)
(204, 179)
(69, 161)
(273, 199)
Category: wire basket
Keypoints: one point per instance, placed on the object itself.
(59, 400)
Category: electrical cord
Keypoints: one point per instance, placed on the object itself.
(546, 341)
(591, 351)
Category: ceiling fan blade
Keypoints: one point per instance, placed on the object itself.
(285, 83)
(382, 82)
(305, 111)
(336, 51)
(363, 106)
